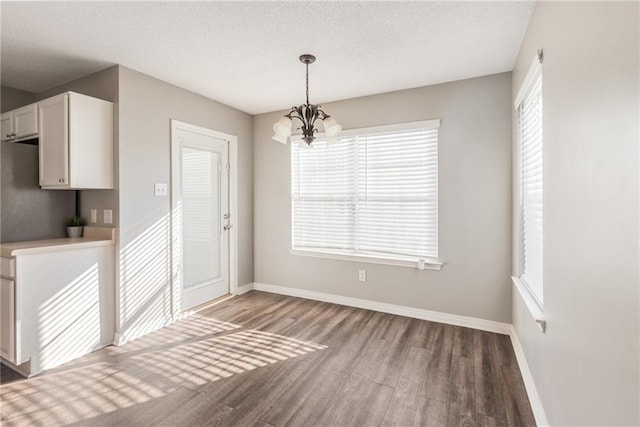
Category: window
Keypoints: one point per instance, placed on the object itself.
(373, 195)
(529, 113)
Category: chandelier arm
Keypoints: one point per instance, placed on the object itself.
(321, 114)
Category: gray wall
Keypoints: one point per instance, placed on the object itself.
(474, 204)
(146, 107)
(26, 211)
(585, 366)
(11, 98)
(102, 85)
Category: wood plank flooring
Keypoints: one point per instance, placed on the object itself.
(262, 359)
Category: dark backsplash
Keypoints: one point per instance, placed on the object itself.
(26, 211)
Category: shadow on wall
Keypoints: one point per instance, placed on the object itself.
(149, 265)
(69, 321)
(145, 286)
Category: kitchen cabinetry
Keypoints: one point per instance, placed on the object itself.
(8, 325)
(75, 142)
(6, 126)
(20, 124)
(50, 315)
(8, 320)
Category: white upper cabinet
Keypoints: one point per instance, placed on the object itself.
(54, 141)
(25, 121)
(6, 126)
(20, 124)
(76, 142)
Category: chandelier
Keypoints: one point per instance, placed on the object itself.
(307, 114)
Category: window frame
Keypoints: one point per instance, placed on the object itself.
(428, 263)
(532, 300)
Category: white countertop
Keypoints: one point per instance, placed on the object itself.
(92, 237)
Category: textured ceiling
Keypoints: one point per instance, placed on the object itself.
(245, 54)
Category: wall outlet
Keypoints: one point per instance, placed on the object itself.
(107, 216)
(362, 275)
(160, 189)
(94, 216)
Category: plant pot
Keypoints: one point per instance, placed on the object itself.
(74, 232)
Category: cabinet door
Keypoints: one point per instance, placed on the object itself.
(25, 121)
(6, 125)
(53, 115)
(7, 318)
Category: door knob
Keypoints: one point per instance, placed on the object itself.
(228, 227)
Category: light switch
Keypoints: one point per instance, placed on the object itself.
(94, 216)
(108, 216)
(160, 189)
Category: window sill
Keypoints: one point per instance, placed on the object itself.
(430, 264)
(530, 302)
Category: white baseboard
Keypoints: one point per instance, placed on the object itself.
(529, 384)
(417, 313)
(244, 289)
(117, 339)
(26, 372)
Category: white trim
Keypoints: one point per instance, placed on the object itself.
(118, 339)
(527, 378)
(429, 264)
(534, 71)
(26, 372)
(244, 289)
(234, 212)
(417, 313)
(424, 124)
(233, 199)
(531, 302)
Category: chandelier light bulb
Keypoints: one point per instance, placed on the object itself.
(283, 127)
(281, 139)
(331, 127)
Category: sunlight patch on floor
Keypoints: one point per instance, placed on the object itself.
(194, 351)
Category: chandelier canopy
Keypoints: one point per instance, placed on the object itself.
(308, 114)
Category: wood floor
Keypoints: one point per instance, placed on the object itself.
(262, 359)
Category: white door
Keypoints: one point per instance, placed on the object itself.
(201, 193)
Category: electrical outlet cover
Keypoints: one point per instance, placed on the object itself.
(160, 189)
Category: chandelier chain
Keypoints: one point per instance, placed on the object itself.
(307, 64)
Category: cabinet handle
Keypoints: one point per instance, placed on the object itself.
(13, 134)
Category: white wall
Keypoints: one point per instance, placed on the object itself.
(146, 107)
(475, 203)
(586, 365)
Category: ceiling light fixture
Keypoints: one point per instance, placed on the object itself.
(307, 114)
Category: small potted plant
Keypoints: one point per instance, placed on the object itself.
(75, 225)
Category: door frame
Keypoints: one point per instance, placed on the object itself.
(176, 125)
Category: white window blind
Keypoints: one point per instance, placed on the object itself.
(373, 193)
(530, 131)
